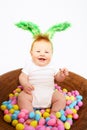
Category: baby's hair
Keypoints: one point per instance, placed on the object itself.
(41, 37)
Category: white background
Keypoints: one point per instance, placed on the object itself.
(70, 49)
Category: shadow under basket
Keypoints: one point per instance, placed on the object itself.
(9, 81)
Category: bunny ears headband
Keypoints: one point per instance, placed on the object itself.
(34, 29)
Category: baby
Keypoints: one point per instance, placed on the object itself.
(37, 79)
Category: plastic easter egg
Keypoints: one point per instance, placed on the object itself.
(3, 107)
(33, 123)
(67, 125)
(41, 121)
(61, 127)
(31, 115)
(48, 128)
(69, 111)
(11, 111)
(58, 114)
(9, 106)
(14, 116)
(14, 122)
(75, 116)
(19, 126)
(48, 110)
(70, 121)
(21, 120)
(69, 116)
(37, 117)
(63, 118)
(42, 128)
(6, 111)
(47, 119)
(76, 107)
(11, 95)
(46, 114)
(51, 122)
(42, 111)
(7, 118)
(54, 128)
(16, 107)
(25, 111)
(65, 90)
(62, 112)
(38, 112)
(21, 115)
(59, 122)
(80, 103)
(29, 128)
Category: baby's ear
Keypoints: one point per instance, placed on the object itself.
(31, 52)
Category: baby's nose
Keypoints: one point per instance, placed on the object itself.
(42, 53)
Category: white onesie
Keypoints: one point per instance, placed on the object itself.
(42, 78)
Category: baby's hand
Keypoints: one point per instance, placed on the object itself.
(63, 72)
(28, 89)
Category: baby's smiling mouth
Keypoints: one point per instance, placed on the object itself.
(41, 59)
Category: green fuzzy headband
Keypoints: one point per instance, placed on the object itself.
(34, 29)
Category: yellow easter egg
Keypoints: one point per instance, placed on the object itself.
(7, 118)
(65, 90)
(14, 122)
(19, 126)
(16, 107)
(11, 95)
(74, 111)
(11, 111)
(33, 123)
(38, 112)
(46, 114)
(67, 125)
(69, 116)
(48, 110)
(58, 114)
(3, 107)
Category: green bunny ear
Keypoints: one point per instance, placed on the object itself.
(57, 28)
(29, 26)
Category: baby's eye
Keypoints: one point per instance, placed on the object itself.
(38, 51)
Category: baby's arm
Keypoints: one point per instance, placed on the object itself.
(24, 81)
(61, 75)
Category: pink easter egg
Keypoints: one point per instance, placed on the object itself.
(69, 111)
(6, 111)
(40, 127)
(59, 122)
(77, 107)
(61, 127)
(25, 111)
(29, 128)
(54, 128)
(51, 122)
(48, 128)
(80, 103)
(21, 115)
(41, 121)
(68, 102)
(75, 116)
(70, 122)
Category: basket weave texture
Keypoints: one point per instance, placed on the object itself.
(9, 81)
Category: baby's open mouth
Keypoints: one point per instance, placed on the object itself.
(42, 59)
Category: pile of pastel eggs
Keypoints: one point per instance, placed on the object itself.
(41, 119)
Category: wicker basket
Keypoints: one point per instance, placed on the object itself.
(9, 81)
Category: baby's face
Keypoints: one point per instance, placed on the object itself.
(41, 52)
